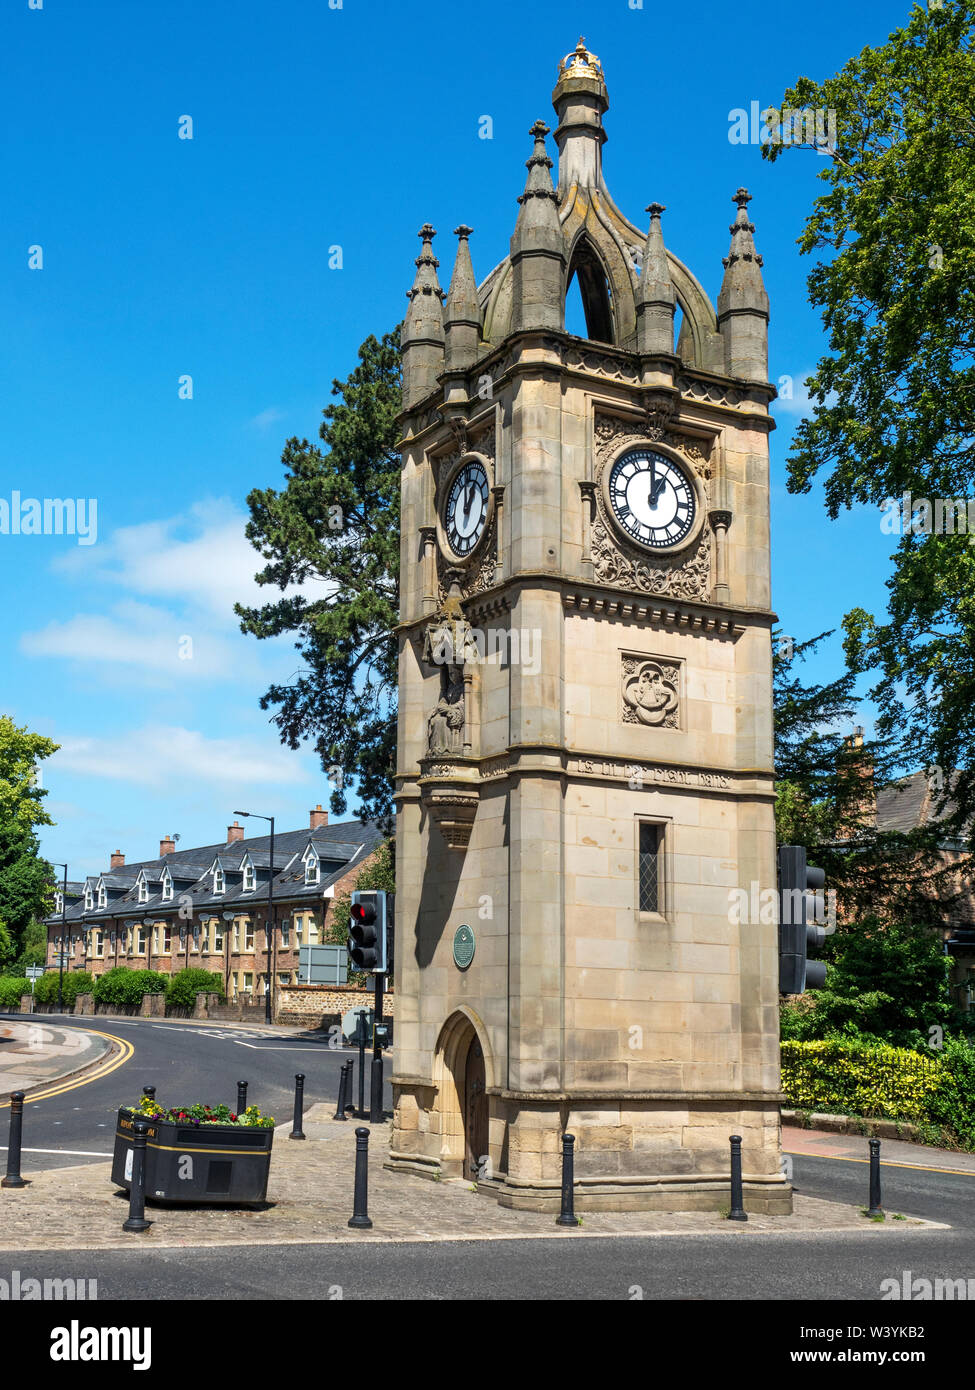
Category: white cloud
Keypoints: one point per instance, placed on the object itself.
(793, 398)
(147, 642)
(266, 418)
(170, 757)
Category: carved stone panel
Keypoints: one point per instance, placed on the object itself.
(650, 692)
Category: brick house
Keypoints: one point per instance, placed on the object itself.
(207, 907)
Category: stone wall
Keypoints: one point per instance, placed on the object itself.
(321, 1005)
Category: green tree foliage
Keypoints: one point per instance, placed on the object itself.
(894, 237)
(183, 987)
(825, 787)
(331, 542)
(888, 982)
(123, 987)
(12, 989)
(33, 946)
(73, 983)
(25, 879)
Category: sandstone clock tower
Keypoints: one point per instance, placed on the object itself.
(585, 742)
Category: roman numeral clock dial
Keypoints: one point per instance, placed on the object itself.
(652, 498)
(465, 512)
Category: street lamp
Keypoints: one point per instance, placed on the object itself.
(268, 1002)
(64, 908)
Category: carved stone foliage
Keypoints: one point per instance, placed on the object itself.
(684, 575)
(709, 391)
(606, 364)
(651, 692)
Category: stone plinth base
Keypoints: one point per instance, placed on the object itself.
(633, 1152)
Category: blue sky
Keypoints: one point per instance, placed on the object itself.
(313, 127)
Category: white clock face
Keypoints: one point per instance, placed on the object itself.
(465, 513)
(652, 498)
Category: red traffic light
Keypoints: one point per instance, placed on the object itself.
(364, 913)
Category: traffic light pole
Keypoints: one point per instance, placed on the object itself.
(376, 1080)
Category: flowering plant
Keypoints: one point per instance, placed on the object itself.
(149, 1109)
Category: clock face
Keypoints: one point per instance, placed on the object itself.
(652, 498)
(466, 509)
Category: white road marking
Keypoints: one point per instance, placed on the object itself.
(73, 1153)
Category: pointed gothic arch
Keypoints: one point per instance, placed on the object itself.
(587, 269)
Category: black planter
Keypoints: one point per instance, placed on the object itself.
(215, 1165)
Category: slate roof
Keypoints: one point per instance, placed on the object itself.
(339, 847)
(906, 804)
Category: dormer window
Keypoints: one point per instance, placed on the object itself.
(167, 886)
(59, 902)
(250, 877)
(102, 895)
(312, 868)
(89, 898)
(219, 880)
(143, 889)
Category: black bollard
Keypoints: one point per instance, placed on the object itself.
(376, 1112)
(13, 1178)
(296, 1130)
(567, 1216)
(343, 1092)
(737, 1212)
(360, 1203)
(149, 1091)
(875, 1207)
(360, 1114)
(241, 1097)
(137, 1192)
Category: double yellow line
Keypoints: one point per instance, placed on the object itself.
(110, 1064)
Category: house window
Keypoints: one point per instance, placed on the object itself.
(312, 870)
(89, 898)
(218, 936)
(236, 936)
(249, 934)
(312, 930)
(142, 941)
(249, 878)
(58, 902)
(650, 867)
(248, 982)
(102, 896)
(285, 934)
(143, 890)
(99, 944)
(219, 881)
(167, 886)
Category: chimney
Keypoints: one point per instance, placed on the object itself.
(318, 817)
(118, 859)
(234, 832)
(167, 846)
(863, 804)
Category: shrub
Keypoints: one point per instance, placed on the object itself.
(953, 1104)
(183, 987)
(11, 988)
(74, 982)
(122, 986)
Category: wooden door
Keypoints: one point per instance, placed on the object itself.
(475, 1112)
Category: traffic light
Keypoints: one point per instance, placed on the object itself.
(371, 931)
(802, 920)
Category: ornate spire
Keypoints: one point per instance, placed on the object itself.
(580, 100)
(537, 247)
(462, 317)
(743, 309)
(422, 338)
(656, 299)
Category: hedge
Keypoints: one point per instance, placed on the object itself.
(123, 986)
(11, 988)
(74, 982)
(883, 1082)
(183, 987)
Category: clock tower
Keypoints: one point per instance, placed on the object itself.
(584, 778)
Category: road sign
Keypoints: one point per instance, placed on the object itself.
(34, 972)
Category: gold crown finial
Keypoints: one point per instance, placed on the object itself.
(580, 62)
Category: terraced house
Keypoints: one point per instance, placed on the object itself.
(208, 907)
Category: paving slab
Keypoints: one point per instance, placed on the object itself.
(310, 1201)
(37, 1054)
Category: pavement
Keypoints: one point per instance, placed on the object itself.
(36, 1054)
(310, 1202)
(893, 1152)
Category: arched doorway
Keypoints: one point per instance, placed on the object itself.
(463, 1072)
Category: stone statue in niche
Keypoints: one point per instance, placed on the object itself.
(650, 693)
(445, 724)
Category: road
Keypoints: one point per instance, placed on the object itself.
(186, 1064)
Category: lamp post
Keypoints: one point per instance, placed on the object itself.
(268, 1002)
(64, 908)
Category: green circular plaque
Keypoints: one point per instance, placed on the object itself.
(463, 947)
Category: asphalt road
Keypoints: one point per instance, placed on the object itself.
(687, 1268)
(186, 1064)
